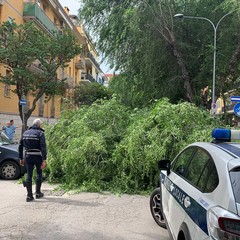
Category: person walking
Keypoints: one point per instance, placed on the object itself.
(33, 141)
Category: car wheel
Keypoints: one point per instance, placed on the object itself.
(156, 209)
(9, 170)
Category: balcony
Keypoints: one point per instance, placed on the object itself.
(33, 12)
(69, 81)
(36, 67)
(90, 77)
(93, 60)
(80, 63)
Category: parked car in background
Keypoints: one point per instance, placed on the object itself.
(199, 193)
(9, 163)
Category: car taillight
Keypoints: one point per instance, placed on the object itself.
(223, 225)
(229, 225)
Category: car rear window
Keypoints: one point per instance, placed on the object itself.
(235, 180)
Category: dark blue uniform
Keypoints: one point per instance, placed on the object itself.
(33, 141)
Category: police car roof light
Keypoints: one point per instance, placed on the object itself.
(221, 134)
(225, 134)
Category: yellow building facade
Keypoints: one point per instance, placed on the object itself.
(49, 16)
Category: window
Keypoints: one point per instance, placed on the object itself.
(213, 180)
(41, 107)
(52, 114)
(235, 180)
(76, 76)
(44, 8)
(202, 172)
(6, 90)
(7, 86)
(197, 166)
(181, 162)
(55, 21)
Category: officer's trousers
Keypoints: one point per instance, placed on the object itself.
(31, 161)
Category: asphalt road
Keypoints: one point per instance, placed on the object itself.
(82, 216)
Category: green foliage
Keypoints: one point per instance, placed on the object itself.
(89, 93)
(32, 58)
(158, 134)
(165, 57)
(81, 144)
(109, 147)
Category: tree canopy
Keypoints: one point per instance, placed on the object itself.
(32, 59)
(86, 94)
(160, 56)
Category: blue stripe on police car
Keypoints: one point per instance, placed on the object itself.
(193, 209)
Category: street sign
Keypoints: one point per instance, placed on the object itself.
(213, 109)
(236, 109)
(235, 98)
(23, 102)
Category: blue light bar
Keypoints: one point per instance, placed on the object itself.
(221, 134)
(225, 134)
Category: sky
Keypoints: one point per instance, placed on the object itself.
(73, 6)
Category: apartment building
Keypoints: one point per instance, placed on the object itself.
(50, 16)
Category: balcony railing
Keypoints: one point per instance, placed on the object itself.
(93, 60)
(80, 63)
(69, 81)
(90, 77)
(33, 11)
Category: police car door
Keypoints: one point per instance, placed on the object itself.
(174, 196)
(201, 178)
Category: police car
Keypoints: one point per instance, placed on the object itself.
(199, 194)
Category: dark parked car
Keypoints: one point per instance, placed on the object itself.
(9, 163)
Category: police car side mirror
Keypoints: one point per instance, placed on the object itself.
(164, 165)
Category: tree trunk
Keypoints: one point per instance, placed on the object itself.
(185, 75)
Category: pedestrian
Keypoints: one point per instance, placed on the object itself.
(33, 141)
(9, 130)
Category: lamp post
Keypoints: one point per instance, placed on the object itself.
(215, 27)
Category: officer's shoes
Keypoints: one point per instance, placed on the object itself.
(29, 198)
(39, 195)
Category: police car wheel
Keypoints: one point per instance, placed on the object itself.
(155, 207)
(9, 170)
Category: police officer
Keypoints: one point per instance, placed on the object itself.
(33, 141)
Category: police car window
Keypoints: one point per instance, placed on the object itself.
(181, 162)
(197, 167)
(212, 180)
(235, 180)
(202, 181)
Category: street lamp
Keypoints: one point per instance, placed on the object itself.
(215, 27)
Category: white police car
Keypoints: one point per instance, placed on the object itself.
(199, 194)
